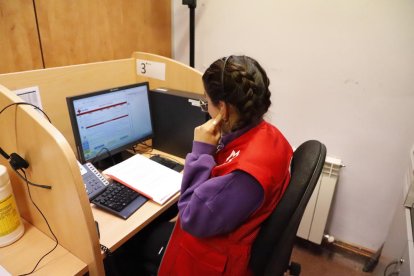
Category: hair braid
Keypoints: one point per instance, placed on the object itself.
(243, 83)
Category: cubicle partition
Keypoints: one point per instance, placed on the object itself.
(165, 72)
(51, 162)
(55, 84)
(50, 150)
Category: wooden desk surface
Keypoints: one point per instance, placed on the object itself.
(21, 256)
(115, 231)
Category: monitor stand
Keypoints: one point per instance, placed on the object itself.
(113, 160)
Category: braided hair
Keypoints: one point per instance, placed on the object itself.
(241, 82)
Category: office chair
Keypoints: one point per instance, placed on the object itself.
(272, 249)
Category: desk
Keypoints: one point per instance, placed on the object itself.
(115, 231)
(21, 256)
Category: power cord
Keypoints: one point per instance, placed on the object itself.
(47, 223)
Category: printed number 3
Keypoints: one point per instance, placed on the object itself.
(143, 69)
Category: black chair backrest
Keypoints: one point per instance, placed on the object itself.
(272, 249)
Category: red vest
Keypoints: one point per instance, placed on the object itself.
(264, 153)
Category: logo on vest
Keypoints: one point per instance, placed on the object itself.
(232, 155)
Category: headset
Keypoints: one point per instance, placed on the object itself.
(15, 160)
(223, 71)
(19, 163)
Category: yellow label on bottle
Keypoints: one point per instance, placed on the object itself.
(9, 217)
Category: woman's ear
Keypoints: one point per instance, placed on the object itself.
(223, 109)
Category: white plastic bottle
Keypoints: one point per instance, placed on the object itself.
(11, 226)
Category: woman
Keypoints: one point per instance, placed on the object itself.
(233, 178)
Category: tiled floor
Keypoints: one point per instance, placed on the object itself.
(325, 260)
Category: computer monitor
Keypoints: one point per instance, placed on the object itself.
(175, 114)
(108, 122)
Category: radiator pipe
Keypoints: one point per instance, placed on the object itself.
(329, 238)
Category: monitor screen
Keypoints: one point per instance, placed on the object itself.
(108, 122)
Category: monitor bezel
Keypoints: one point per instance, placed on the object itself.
(75, 128)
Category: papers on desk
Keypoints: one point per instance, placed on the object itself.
(147, 177)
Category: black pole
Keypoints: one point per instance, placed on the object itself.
(192, 4)
(192, 35)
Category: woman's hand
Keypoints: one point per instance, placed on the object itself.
(209, 132)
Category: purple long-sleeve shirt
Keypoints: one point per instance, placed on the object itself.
(217, 205)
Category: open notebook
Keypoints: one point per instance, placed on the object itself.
(147, 177)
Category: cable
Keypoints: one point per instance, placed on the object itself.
(105, 249)
(38, 34)
(99, 153)
(145, 145)
(388, 266)
(17, 162)
(47, 223)
(31, 183)
(142, 148)
(24, 103)
(15, 158)
(20, 164)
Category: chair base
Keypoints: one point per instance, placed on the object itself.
(294, 269)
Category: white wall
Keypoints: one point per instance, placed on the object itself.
(342, 72)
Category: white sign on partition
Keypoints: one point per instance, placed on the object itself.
(4, 272)
(30, 95)
(151, 69)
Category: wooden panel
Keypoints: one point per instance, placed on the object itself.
(59, 262)
(52, 162)
(178, 75)
(75, 32)
(19, 43)
(55, 84)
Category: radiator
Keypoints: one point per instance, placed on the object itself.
(313, 223)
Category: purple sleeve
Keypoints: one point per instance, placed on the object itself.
(212, 206)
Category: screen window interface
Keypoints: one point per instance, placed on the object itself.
(111, 121)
